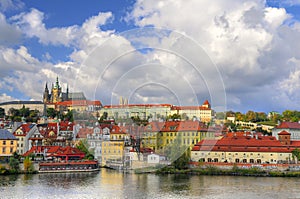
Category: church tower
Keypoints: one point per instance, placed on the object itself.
(56, 92)
(46, 95)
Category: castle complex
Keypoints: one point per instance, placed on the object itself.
(56, 94)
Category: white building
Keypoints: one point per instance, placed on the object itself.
(292, 127)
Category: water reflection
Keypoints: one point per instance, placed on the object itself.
(113, 184)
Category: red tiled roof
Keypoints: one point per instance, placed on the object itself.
(65, 151)
(55, 151)
(189, 108)
(246, 144)
(206, 102)
(284, 133)
(25, 129)
(288, 125)
(137, 105)
(79, 103)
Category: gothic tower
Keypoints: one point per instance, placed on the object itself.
(46, 97)
(56, 92)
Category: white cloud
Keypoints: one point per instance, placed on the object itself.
(9, 34)
(248, 41)
(32, 25)
(5, 98)
(6, 5)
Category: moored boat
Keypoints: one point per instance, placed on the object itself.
(69, 166)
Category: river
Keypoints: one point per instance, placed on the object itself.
(114, 184)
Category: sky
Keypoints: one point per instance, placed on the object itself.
(240, 55)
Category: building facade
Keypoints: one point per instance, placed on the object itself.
(246, 149)
(32, 105)
(8, 144)
(158, 111)
(56, 94)
(292, 127)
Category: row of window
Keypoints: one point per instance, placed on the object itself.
(235, 154)
(7, 149)
(4, 142)
(237, 160)
(110, 152)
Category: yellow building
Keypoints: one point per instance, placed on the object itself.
(78, 105)
(8, 143)
(115, 151)
(246, 149)
(159, 135)
(203, 112)
(112, 152)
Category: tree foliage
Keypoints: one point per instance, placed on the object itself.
(28, 165)
(51, 112)
(296, 154)
(84, 147)
(14, 164)
(178, 153)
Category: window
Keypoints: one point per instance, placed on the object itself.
(237, 160)
(3, 150)
(4, 142)
(216, 160)
(244, 160)
(11, 149)
(11, 142)
(251, 161)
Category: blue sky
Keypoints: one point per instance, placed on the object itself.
(240, 55)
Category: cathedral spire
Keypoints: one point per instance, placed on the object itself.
(57, 83)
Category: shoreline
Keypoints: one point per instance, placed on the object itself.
(214, 171)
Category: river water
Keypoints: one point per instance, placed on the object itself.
(114, 184)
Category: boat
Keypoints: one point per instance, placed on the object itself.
(69, 166)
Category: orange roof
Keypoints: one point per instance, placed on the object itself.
(189, 108)
(288, 125)
(138, 105)
(284, 133)
(245, 144)
(79, 103)
(206, 102)
(25, 128)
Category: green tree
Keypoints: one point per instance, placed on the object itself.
(251, 116)
(183, 161)
(84, 147)
(239, 116)
(174, 116)
(261, 116)
(69, 116)
(104, 116)
(28, 165)
(51, 112)
(24, 112)
(178, 153)
(14, 165)
(296, 154)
